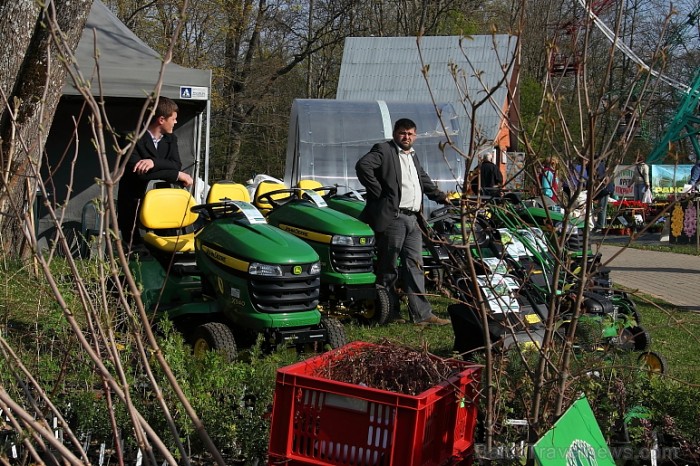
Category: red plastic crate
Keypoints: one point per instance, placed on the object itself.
(316, 421)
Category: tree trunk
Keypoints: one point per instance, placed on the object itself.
(31, 79)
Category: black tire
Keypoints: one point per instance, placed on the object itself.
(642, 339)
(336, 332)
(626, 339)
(653, 363)
(378, 311)
(214, 336)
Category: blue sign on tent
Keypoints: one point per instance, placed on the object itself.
(194, 92)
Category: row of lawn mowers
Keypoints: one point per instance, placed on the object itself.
(521, 268)
(289, 263)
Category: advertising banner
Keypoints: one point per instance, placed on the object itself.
(665, 180)
(623, 181)
(669, 179)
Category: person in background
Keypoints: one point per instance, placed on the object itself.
(395, 184)
(640, 178)
(577, 175)
(490, 178)
(549, 182)
(155, 157)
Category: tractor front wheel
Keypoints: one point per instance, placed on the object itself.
(214, 336)
(642, 339)
(380, 308)
(336, 332)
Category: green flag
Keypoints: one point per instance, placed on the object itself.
(574, 440)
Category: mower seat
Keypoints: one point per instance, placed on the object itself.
(166, 213)
(311, 184)
(227, 190)
(264, 188)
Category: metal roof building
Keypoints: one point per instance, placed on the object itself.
(459, 70)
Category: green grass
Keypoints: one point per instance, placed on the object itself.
(437, 340)
(675, 334)
(688, 249)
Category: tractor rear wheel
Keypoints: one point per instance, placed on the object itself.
(652, 363)
(214, 336)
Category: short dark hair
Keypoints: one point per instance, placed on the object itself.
(165, 108)
(404, 123)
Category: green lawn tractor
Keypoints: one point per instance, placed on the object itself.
(344, 244)
(351, 202)
(224, 276)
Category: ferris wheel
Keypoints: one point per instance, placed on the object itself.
(686, 122)
(620, 45)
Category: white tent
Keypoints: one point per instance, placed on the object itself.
(129, 72)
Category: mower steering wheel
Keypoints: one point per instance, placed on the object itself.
(330, 190)
(267, 197)
(215, 210)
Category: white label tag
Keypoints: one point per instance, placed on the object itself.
(315, 198)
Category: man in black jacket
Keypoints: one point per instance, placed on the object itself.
(155, 157)
(395, 184)
(490, 179)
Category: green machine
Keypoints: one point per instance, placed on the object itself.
(223, 275)
(351, 202)
(344, 244)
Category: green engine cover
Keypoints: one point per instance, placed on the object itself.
(346, 205)
(317, 223)
(256, 242)
(286, 297)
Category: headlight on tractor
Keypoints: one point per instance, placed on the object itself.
(315, 268)
(339, 240)
(266, 270)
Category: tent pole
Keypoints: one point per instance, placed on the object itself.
(206, 146)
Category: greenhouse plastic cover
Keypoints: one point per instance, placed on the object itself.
(327, 137)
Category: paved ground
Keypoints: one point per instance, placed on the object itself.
(675, 278)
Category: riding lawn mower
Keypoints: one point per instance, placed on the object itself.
(224, 276)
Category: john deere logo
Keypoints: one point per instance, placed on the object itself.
(296, 270)
(363, 241)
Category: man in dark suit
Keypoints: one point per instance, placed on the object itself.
(490, 178)
(395, 184)
(155, 157)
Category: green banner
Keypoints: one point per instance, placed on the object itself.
(574, 440)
